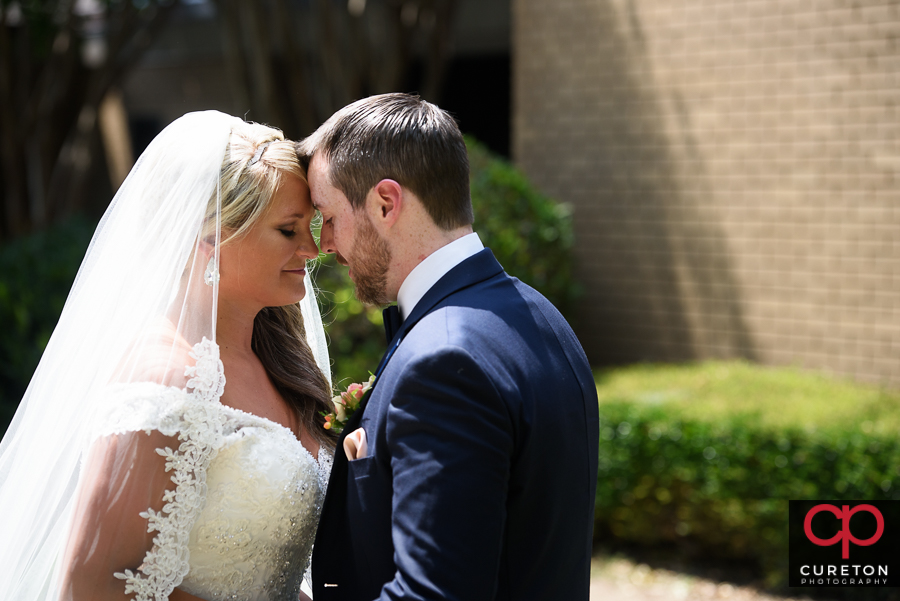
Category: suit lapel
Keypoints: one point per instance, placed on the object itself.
(479, 267)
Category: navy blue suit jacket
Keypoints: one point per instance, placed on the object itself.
(482, 432)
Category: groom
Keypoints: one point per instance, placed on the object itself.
(471, 471)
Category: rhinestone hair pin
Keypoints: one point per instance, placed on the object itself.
(259, 151)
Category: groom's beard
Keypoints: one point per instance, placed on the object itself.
(370, 262)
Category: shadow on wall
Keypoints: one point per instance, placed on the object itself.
(660, 285)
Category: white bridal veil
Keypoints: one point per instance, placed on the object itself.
(137, 313)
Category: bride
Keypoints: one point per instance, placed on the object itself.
(169, 445)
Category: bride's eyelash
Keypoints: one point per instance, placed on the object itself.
(288, 233)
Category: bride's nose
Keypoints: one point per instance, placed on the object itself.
(307, 248)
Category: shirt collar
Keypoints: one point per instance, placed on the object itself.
(435, 266)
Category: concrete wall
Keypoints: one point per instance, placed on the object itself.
(734, 166)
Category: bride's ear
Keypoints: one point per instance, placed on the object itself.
(385, 202)
(206, 246)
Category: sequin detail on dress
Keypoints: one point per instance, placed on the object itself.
(254, 538)
(242, 518)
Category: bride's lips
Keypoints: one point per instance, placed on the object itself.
(296, 271)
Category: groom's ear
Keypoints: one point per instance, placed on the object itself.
(386, 198)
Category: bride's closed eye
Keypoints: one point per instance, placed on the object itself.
(288, 233)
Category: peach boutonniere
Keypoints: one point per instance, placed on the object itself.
(346, 404)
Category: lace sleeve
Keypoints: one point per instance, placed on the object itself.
(195, 417)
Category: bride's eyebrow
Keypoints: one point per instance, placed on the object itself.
(292, 216)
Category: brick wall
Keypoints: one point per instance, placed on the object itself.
(734, 166)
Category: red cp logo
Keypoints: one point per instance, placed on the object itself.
(844, 535)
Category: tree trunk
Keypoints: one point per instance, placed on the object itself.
(49, 136)
(116, 138)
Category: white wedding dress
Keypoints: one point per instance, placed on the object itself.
(231, 509)
(242, 519)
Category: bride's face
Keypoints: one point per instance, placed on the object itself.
(265, 266)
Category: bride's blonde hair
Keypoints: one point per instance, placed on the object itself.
(255, 162)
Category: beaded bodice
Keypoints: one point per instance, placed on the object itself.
(241, 520)
(253, 538)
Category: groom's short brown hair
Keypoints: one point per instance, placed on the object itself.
(399, 137)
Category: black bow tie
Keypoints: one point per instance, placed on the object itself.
(392, 321)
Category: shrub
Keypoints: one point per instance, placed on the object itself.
(709, 471)
(36, 273)
(530, 234)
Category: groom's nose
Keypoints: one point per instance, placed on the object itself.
(326, 239)
(326, 243)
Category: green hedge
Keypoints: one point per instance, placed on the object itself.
(712, 475)
(531, 234)
(36, 273)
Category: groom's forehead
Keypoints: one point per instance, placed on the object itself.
(317, 176)
(323, 193)
(319, 165)
(327, 199)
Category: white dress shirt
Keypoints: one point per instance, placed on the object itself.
(435, 266)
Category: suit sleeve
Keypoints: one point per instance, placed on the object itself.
(450, 438)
